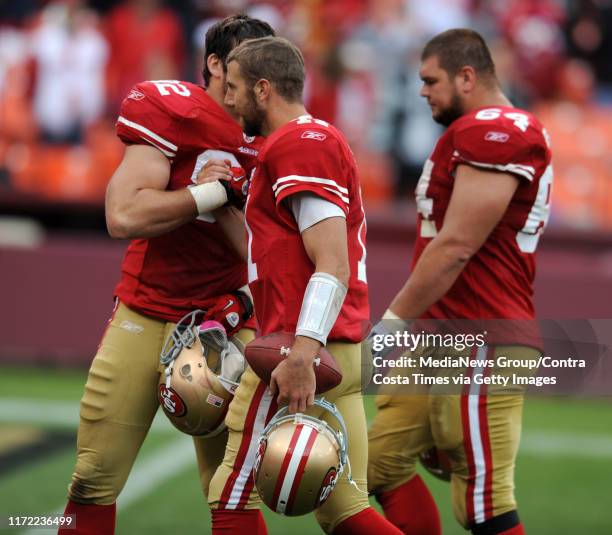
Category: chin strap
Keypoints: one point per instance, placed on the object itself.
(213, 335)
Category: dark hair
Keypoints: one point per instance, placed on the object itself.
(275, 59)
(458, 48)
(224, 35)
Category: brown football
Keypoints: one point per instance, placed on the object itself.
(265, 353)
(437, 463)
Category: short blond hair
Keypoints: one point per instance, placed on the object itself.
(274, 59)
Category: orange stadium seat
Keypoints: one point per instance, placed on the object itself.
(581, 138)
(375, 176)
(75, 173)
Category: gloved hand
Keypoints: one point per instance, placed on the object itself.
(230, 310)
(237, 186)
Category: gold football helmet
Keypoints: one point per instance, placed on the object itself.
(299, 460)
(202, 372)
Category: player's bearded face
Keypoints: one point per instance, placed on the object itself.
(252, 116)
(446, 115)
(440, 91)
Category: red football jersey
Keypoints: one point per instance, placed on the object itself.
(170, 275)
(497, 281)
(306, 154)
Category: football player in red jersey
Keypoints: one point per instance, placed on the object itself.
(483, 201)
(306, 265)
(179, 259)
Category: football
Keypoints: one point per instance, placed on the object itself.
(265, 353)
(437, 463)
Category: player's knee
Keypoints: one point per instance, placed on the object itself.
(446, 422)
(329, 518)
(90, 485)
(385, 471)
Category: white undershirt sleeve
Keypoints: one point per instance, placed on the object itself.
(309, 209)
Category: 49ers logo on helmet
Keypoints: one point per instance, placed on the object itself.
(171, 402)
(329, 482)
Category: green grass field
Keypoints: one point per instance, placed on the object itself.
(564, 474)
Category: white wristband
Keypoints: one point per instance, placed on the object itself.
(322, 302)
(209, 196)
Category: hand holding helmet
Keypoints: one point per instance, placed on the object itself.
(316, 455)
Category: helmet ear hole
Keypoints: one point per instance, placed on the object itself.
(195, 400)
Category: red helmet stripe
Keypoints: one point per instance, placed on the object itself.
(300, 470)
(283, 469)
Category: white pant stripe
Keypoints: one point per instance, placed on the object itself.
(249, 460)
(477, 447)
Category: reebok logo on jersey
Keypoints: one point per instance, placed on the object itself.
(248, 139)
(311, 134)
(136, 95)
(498, 137)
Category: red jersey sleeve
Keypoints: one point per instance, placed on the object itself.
(308, 160)
(499, 145)
(145, 119)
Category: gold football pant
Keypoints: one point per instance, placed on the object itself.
(118, 406)
(479, 430)
(232, 486)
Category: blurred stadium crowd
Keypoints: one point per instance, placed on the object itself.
(66, 65)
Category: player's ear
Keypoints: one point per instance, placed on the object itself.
(262, 90)
(215, 66)
(467, 78)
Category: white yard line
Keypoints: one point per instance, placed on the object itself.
(149, 473)
(170, 460)
(535, 443)
(559, 444)
(53, 412)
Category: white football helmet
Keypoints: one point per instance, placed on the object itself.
(202, 372)
(299, 460)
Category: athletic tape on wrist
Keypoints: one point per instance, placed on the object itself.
(209, 196)
(321, 305)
